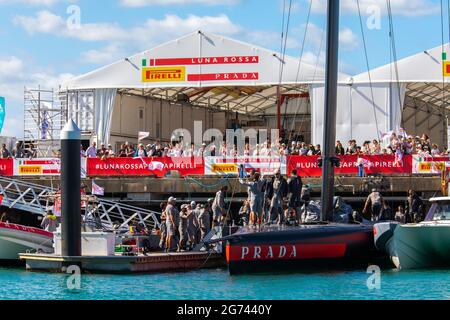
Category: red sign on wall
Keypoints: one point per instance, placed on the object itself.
(158, 167)
(307, 166)
(6, 167)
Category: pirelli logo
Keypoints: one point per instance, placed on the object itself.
(224, 168)
(431, 166)
(30, 170)
(164, 74)
(446, 65)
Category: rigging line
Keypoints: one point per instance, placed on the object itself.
(308, 17)
(368, 69)
(322, 40)
(394, 50)
(284, 36)
(282, 39)
(284, 51)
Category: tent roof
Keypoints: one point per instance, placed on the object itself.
(210, 70)
(425, 66)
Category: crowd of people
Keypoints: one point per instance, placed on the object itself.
(393, 145)
(390, 145)
(182, 229)
(378, 209)
(18, 152)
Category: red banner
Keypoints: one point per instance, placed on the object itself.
(7, 167)
(307, 166)
(144, 166)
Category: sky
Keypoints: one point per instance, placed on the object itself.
(40, 47)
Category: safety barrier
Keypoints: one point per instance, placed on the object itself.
(307, 166)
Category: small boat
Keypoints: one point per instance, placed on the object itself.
(309, 246)
(419, 245)
(15, 239)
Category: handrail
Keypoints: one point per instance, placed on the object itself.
(34, 198)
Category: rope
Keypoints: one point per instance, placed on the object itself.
(212, 186)
(308, 17)
(284, 38)
(368, 70)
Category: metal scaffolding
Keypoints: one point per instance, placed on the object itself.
(44, 118)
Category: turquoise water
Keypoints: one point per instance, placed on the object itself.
(217, 284)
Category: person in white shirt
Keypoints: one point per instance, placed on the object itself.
(110, 152)
(264, 151)
(256, 152)
(200, 152)
(435, 150)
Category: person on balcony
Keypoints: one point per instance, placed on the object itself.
(18, 152)
(91, 152)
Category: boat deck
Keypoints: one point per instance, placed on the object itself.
(154, 262)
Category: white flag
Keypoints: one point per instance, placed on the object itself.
(97, 190)
(143, 135)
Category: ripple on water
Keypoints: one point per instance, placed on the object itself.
(217, 284)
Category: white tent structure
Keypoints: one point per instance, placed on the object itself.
(207, 69)
(411, 93)
(212, 71)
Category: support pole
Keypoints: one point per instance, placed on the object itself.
(330, 110)
(279, 102)
(70, 190)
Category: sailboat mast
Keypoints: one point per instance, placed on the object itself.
(329, 125)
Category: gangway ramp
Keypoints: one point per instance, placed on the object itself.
(34, 198)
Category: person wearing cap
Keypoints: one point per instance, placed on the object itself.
(280, 190)
(376, 203)
(218, 206)
(172, 223)
(192, 224)
(294, 189)
(182, 228)
(256, 197)
(204, 220)
(50, 222)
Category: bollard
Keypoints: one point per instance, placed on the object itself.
(70, 190)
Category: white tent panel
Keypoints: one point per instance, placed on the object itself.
(426, 66)
(357, 116)
(200, 60)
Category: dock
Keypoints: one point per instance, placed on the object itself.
(143, 190)
(152, 263)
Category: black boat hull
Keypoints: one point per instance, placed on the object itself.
(285, 249)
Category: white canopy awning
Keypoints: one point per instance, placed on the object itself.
(214, 71)
(211, 70)
(424, 67)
